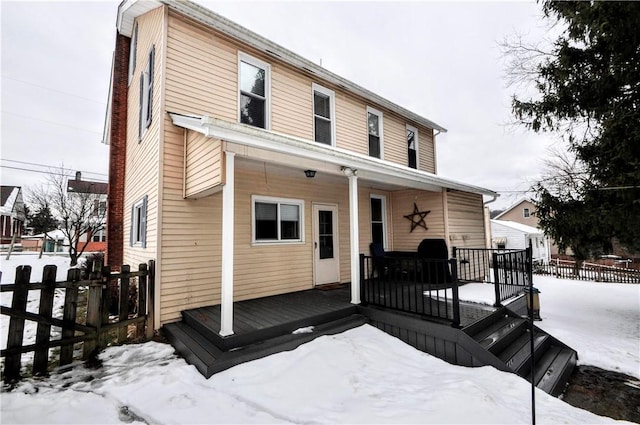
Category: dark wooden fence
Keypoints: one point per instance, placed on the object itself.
(512, 273)
(90, 316)
(427, 287)
(565, 269)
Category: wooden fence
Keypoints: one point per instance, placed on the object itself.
(86, 314)
(565, 269)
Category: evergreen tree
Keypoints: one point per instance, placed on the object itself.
(42, 220)
(588, 90)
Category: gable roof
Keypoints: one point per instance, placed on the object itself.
(5, 193)
(512, 207)
(128, 10)
(517, 226)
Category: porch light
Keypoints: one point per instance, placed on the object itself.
(310, 173)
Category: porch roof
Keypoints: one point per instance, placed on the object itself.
(369, 168)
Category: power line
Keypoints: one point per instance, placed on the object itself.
(50, 122)
(36, 171)
(52, 166)
(54, 90)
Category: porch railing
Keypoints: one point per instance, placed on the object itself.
(407, 283)
(512, 272)
(475, 264)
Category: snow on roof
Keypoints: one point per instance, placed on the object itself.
(517, 226)
(9, 196)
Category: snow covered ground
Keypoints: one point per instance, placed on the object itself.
(360, 376)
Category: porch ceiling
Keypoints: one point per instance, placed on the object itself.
(269, 146)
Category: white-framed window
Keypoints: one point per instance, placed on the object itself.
(526, 213)
(99, 236)
(379, 220)
(138, 231)
(412, 146)
(132, 52)
(99, 208)
(146, 95)
(254, 91)
(276, 220)
(375, 128)
(324, 122)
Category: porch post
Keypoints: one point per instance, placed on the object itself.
(354, 233)
(228, 199)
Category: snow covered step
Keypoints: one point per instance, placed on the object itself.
(501, 333)
(555, 368)
(518, 354)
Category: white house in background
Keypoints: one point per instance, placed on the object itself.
(512, 235)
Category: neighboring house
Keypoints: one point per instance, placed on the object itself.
(96, 241)
(12, 216)
(52, 241)
(245, 170)
(512, 235)
(523, 212)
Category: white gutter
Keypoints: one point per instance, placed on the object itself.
(368, 168)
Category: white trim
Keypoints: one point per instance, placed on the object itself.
(133, 51)
(369, 168)
(278, 201)
(243, 57)
(335, 208)
(137, 224)
(374, 111)
(228, 206)
(332, 113)
(416, 142)
(383, 198)
(526, 212)
(354, 235)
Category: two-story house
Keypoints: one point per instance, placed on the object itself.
(245, 170)
(12, 216)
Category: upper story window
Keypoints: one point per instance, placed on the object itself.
(374, 124)
(323, 115)
(277, 220)
(146, 95)
(526, 213)
(254, 85)
(412, 146)
(132, 52)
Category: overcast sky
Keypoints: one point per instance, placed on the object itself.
(438, 59)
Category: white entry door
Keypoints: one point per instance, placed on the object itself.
(325, 244)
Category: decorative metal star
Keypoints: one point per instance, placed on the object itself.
(417, 218)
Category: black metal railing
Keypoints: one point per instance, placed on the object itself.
(512, 272)
(475, 264)
(404, 282)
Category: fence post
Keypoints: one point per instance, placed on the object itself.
(69, 316)
(12, 362)
(94, 310)
(363, 293)
(496, 280)
(43, 334)
(142, 298)
(151, 284)
(105, 305)
(123, 305)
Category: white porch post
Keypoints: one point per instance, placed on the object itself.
(354, 234)
(228, 199)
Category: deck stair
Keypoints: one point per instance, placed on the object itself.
(506, 336)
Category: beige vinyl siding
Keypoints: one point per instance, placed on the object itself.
(202, 71)
(142, 160)
(466, 219)
(516, 214)
(203, 165)
(291, 102)
(403, 238)
(351, 124)
(395, 140)
(426, 151)
(191, 236)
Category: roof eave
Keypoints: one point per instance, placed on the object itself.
(373, 167)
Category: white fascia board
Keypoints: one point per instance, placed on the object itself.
(233, 30)
(129, 10)
(368, 168)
